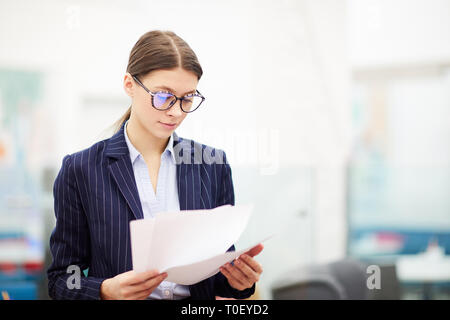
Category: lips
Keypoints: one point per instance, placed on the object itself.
(168, 126)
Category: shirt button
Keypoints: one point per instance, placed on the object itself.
(167, 292)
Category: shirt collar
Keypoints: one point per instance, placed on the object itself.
(134, 153)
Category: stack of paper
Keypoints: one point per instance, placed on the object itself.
(189, 245)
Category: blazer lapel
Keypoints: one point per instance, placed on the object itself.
(189, 194)
(188, 174)
(121, 169)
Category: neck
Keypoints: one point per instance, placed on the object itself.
(147, 144)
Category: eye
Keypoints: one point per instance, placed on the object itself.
(161, 98)
(189, 97)
(164, 93)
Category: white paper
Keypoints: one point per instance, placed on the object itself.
(196, 272)
(189, 245)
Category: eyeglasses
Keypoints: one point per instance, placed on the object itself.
(162, 100)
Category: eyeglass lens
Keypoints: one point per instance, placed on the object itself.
(163, 100)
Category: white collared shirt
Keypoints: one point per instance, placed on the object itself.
(165, 199)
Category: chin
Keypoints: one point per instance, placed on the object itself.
(153, 130)
(162, 134)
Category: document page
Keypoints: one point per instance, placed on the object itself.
(189, 245)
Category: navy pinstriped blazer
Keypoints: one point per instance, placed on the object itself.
(96, 197)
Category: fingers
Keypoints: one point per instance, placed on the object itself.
(233, 278)
(244, 273)
(152, 282)
(132, 284)
(255, 250)
(247, 270)
(256, 267)
(143, 294)
(144, 289)
(133, 277)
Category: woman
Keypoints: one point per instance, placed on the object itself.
(144, 168)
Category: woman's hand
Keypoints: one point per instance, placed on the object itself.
(131, 285)
(246, 270)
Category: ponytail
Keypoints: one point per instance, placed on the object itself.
(119, 123)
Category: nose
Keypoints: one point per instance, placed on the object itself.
(175, 110)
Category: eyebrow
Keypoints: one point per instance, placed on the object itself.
(171, 90)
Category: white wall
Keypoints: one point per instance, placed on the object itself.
(386, 32)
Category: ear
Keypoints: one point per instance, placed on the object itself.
(128, 84)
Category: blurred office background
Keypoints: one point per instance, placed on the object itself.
(335, 116)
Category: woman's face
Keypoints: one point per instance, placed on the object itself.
(176, 81)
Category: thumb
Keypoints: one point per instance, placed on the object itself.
(255, 250)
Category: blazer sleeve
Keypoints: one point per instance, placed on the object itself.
(226, 196)
(70, 241)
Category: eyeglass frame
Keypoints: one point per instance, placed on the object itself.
(197, 93)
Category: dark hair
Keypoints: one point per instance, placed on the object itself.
(159, 50)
